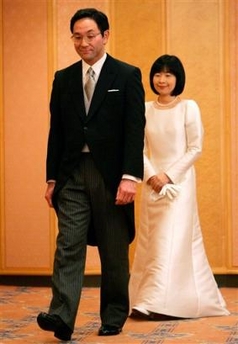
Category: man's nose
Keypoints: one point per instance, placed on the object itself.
(84, 41)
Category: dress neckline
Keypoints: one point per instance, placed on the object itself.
(170, 105)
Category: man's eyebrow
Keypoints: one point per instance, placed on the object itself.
(89, 31)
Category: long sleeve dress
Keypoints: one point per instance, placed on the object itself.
(170, 273)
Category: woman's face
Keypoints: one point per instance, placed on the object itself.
(164, 83)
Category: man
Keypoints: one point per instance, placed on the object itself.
(94, 160)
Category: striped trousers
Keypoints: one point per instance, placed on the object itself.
(86, 201)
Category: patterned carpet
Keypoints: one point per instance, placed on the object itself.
(19, 307)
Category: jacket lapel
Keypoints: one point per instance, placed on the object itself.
(76, 89)
(106, 77)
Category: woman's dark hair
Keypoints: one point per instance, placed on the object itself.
(99, 17)
(170, 64)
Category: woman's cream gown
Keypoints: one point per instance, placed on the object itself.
(170, 273)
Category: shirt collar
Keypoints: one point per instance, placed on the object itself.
(96, 67)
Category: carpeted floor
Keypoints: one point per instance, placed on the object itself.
(19, 307)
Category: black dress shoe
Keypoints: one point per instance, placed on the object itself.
(53, 323)
(108, 330)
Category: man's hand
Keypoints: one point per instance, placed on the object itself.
(49, 193)
(126, 192)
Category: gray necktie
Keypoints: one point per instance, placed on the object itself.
(90, 84)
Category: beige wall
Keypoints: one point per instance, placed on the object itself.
(35, 41)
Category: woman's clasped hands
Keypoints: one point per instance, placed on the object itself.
(162, 186)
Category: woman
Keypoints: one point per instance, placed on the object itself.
(171, 276)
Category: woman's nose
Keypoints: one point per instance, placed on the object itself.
(161, 81)
(162, 78)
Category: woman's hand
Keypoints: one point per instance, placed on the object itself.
(158, 181)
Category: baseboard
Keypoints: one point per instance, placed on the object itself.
(223, 281)
(227, 281)
(44, 281)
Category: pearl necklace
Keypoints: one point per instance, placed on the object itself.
(167, 104)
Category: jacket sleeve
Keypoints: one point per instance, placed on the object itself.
(55, 138)
(134, 125)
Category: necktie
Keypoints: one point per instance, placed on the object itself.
(90, 84)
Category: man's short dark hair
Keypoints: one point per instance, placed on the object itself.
(170, 64)
(99, 17)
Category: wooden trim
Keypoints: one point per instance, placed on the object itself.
(225, 113)
(231, 47)
(51, 58)
(2, 188)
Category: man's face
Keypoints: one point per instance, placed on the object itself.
(88, 40)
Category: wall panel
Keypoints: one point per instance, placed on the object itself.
(24, 53)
